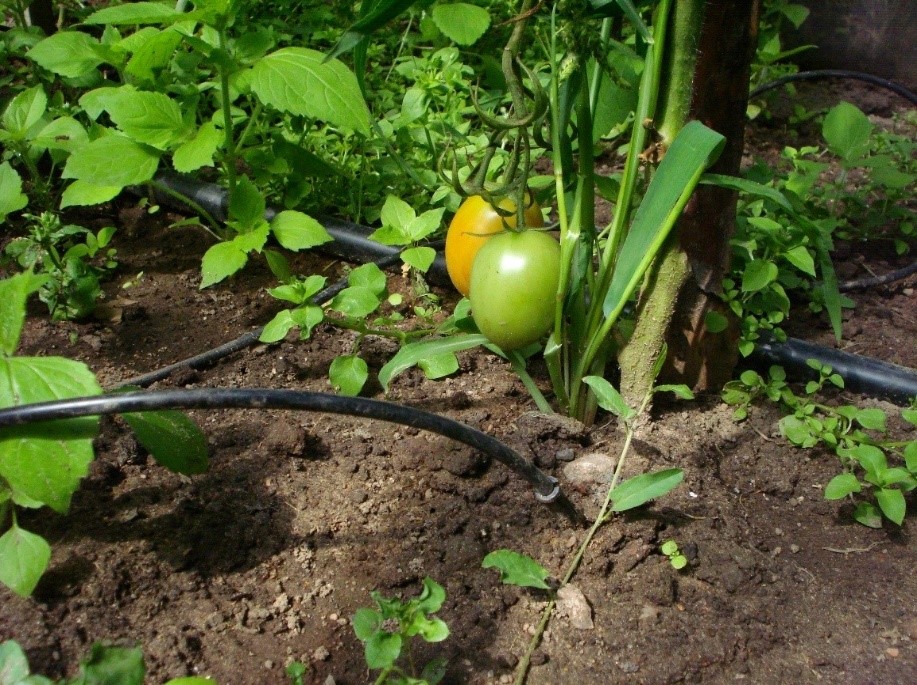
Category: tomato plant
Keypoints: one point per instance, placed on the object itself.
(513, 287)
(473, 224)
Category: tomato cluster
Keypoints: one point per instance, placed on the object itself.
(510, 276)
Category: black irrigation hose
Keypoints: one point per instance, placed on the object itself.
(547, 489)
(861, 374)
(872, 281)
(818, 74)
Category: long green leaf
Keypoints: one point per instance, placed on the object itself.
(744, 185)
(374, 14)
(641, 489)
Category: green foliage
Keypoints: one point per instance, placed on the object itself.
(517, 569)
(104, 665)
(387, 631)
(670, 549)
(857, 435)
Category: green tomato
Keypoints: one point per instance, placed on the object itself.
(514, 286)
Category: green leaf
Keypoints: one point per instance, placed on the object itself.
(871, 458)
(371, 277)
(12, 199)
(113, 666)
(67, 53)
(136, 13)
(460, 22)
(748, 187)
(847, 131)
(871, 418)
(801, 258)
(374, 14)
(715, 322)
(356, 302)
(365, 623)
(758, 274)
(639, 490)
(679, 561)
(14, 666)
(246, 204)
(842, 485)
(297, 231)
(909, 415)
(277, 328)
(397, 213)
(221, 261)
(431, 597)
(348, 374)
(84, 194)
(891, 502)
(868, 515)
(439, 365)
(797, 431)
(24, 112)
(694, 148)
(434, 630)
(421, 258)
(300, 81)
(307, 318)
(14, 291)
(609, 398)
(173, 439)
(24, 557)
(681, 391)
(199, 150)
(153, 55)
(413, 353)
(382, 649)
(151, 118)
(669, 548)
(64, 133)
(517, 569)
(112, 161)
(44, 462)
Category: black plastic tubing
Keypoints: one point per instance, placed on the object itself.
(819, 74)
(547, 489)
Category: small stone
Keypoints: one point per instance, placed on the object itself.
(539, 658)
(893, 652)
(795, 548)
(320, 654)
(268, 665)
(629, 667)
(358, 496)
(566, 454)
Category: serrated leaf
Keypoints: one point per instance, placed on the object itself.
(297, 231)
(153, 55)
(64, 133)
(199, 151)
(348, 374)
(300, 81)
(12, 199)
(84, 194)
(460, 22)
(112, 161)
(371, 277)
(609, 398)
(891, 502)
(221, 261)
(421, 258)
(24, 556)
(842, 485)
(413, 353)
(173, 439)
(148, 117)
(517, 569)
(639, 490)
(67, 53)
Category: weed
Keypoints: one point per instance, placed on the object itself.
(670, 549)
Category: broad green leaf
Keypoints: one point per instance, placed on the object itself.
(369, 276)
(871, 458)
(44, 462)
(433, 630)
(413, 353)
(910, 415)
(425, 224)
(277, 328)
(67, 53)
(910, 456)
(801, 258)
(83, 193)
(439, 365)
(715, 322)
(153, 55)
(173, 439)
(147, 117)
(300, 81)
(12, 199)
(842, 485)
(609, 398)
(797, 431)
(246, 203)
(307, 318)
(847, 131)
(460, 22)
(758, 274)
(397, 213)
(199, 150)
(221, 261)
(421, 258)
(107, 665)
(24, 112)
(64, 133)
(517, 569)
(694, 148)
(871, 418)
(641, 489)
(297, 231)
(356, 302)
(136, 13)
(366, 622)
(112, 161)
(868, 515)
(94, 101)
(431, 597)
(891, 502)
(348, 374)
(14, 291)
(14, 666)
(24, 556)
(382, 649)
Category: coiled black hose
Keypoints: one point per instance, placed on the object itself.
(547, 489)
(819, 74)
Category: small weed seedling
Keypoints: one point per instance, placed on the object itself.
(676, 558)
(386, 632)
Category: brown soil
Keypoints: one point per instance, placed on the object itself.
(264, 559)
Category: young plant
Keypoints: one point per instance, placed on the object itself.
(388, 630)
(670, 549)
(856, 435)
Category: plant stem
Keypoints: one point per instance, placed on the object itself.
(518, 364)
(214, 228)
(229, 158)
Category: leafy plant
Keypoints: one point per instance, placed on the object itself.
(41, 464)
(670, 549)
(388, 630)
(856, 435)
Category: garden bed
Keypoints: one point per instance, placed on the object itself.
(264, 559)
